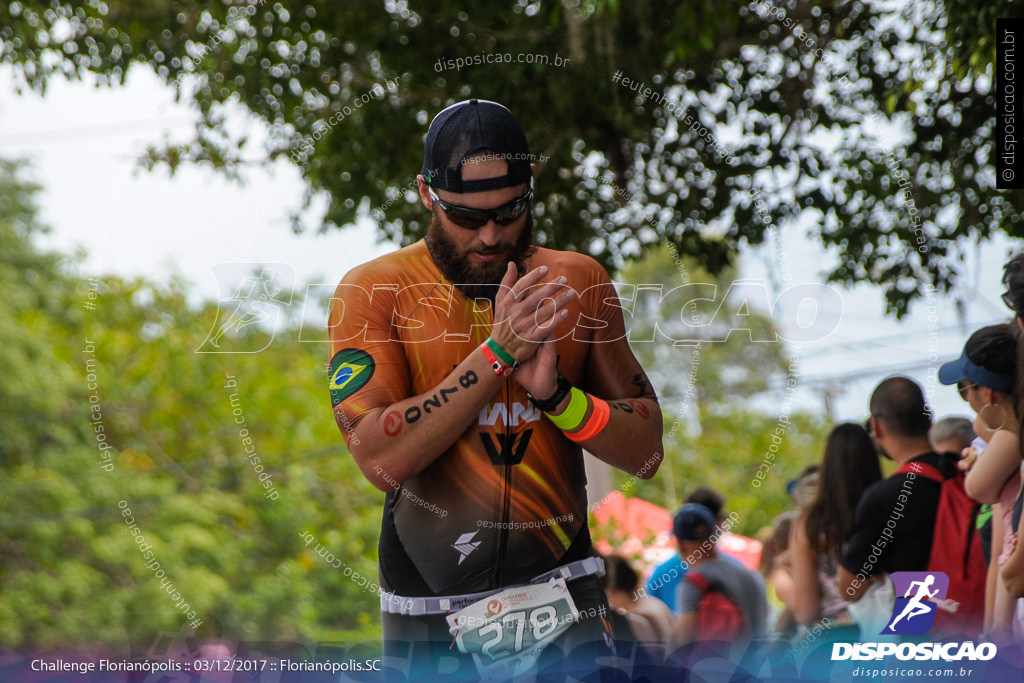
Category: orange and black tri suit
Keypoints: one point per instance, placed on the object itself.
(507, 501)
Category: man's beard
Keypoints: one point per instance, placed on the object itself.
(478, 280)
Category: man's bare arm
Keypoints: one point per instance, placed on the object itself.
(631, 440)
(393, 443)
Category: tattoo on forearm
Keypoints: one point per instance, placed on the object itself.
(393, 423)
(414, 413)
(631, 406)
(640, 408)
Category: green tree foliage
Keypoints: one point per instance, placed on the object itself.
(71, 573)
(970, 32)
(803, 95)
(722, 399)
(672, 306)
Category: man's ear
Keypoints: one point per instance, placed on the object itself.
(877, 428)
(425, 199)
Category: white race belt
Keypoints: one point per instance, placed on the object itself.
(421, 606)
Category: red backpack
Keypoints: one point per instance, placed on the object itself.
(956, 551)
(718, 617)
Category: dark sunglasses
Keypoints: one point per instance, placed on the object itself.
(962, 387)
(474, 219)
(1008, 300)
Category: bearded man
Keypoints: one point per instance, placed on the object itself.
(468, 372)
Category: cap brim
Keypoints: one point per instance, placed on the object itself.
(954, 371)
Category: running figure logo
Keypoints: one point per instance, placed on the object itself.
(256, 303)
(914, 613)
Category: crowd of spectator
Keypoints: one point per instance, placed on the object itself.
(951, 507)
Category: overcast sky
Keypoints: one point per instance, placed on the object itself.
(84, 142)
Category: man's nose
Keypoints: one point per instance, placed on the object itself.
(490, 233)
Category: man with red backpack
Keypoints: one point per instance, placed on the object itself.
(897, 518)
(719, 599)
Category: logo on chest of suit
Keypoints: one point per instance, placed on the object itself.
(506, 449)
(521, 412)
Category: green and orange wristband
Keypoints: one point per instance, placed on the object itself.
(502, 362)
(582, 419)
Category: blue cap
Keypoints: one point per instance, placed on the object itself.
(693, 522)
(963, 369)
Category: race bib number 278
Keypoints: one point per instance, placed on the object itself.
(506, 632)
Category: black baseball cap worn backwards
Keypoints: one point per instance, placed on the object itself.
(466, 128)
